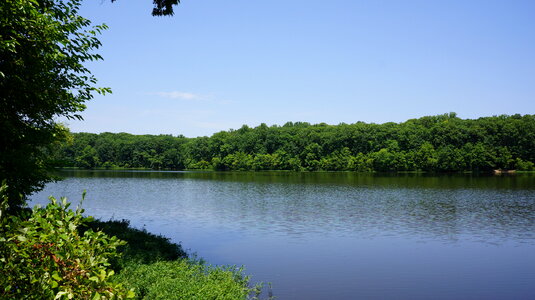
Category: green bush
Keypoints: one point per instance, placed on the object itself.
(524, 165)
(42, 256)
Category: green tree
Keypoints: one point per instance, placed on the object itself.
(311, 156)
(426, 157)
(44, 45)
(88, 159)
(265, 162)
(361, 163)
(478, 157)
(383, 160)
(172, 159)
(450, 159)
(504, 158)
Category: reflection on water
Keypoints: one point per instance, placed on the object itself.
(279, 224)
(403, 180)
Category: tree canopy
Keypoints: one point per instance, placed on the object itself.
(44, 45)
(443, 143)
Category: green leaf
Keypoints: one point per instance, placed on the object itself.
(56, 276)
(96, 296)
(130, 294)
(102, 275)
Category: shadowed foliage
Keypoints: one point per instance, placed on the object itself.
(142, 247)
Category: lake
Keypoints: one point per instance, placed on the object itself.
(335, 235)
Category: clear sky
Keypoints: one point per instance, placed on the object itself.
(217, 65)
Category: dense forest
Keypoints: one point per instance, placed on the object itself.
(442, 143)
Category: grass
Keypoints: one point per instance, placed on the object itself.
(185, 279)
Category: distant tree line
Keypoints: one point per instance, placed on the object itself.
(442, 143)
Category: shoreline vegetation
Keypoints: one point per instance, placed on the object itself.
(55, 252)
(490, 171)
(442, 144)
(156, 268)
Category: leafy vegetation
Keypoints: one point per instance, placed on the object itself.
(43, 47)
(443, 143)
(183, 279)
(42, 256)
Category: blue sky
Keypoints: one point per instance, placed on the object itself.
(216, 65)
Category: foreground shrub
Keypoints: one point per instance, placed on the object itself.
(185, 279)
(42, 256)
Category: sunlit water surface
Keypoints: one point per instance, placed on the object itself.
(335, 235)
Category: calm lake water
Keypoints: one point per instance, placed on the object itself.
(335, 235)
